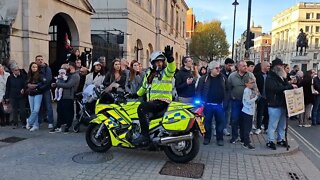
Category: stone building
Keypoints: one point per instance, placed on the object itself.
(240, 50)
(32, 27)
(285, 29)
(261, 49)
(147, 25)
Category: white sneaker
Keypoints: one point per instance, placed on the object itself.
(251, 133)
(226, 133)
(34, 128)
(50, 126)
(258, 131)
(307, 125)
(254, 127)
(28, 125)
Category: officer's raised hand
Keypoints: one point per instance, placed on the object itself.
(168, 52)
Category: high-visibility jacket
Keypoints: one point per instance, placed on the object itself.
(159, 89)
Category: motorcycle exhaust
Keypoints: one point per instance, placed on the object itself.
(168, 140)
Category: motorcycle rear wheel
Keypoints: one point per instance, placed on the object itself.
(102, 143)
(188, 153)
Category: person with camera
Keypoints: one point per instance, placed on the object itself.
(185, 81)
(157, 85)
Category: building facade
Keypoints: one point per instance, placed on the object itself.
(285, 29)
(147, 25)
(240, 52)
(261, 49)
(190, 27)
(40, 27)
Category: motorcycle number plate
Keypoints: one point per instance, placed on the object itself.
(200, 124)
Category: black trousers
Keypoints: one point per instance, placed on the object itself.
(143, 112)
(245, 127)
(18, 110)
(65, 112)
(262, 111)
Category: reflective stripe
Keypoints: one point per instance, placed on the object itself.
(160, 92)
(162, 82)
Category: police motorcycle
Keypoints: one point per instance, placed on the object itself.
(176, 130)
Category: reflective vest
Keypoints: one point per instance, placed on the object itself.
(159, 89)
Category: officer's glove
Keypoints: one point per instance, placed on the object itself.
(168, 52)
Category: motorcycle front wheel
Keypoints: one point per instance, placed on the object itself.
(183, 151)
(100, 144)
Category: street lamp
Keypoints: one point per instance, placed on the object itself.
(235, 4)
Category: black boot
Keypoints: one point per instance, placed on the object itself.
(141, 140)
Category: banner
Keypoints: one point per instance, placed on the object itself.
(294, 101)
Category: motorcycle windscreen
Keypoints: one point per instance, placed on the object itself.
(177, 120)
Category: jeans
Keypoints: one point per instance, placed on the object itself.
(216, 111)
(277, 122)
(35, 103)
(48, 106)
(65, 113)
(246, 127)
(316, 110)
(236, 107)
(262, 111)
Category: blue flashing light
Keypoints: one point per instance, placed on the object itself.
(197, 101)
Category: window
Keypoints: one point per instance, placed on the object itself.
(150, 6)
(318, 15)
(315, 55)
(166, 11)
(316, 43)
(317, 29)
(183, 28)
(308, 16)
(307, 29)
(177, 23)
(53, 33)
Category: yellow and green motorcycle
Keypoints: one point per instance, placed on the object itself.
(177, 130)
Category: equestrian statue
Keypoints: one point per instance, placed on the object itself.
(302, 42)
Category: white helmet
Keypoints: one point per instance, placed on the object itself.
(156, 56)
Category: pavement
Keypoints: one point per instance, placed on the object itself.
(53, 156)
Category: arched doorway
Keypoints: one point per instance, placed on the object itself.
(139, 52)
(61, 28)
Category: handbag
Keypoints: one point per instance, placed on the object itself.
(6, 107)
(314, 92)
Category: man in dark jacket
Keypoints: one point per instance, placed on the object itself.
(15, 95)
(316, 105)
(276, 84)
(185, 81)
(65, 107)
(212, 90)
(262, 106)
(45, 71)
(226, 71)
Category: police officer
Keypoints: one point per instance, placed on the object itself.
(157, 85)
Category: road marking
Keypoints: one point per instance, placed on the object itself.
(305, 142)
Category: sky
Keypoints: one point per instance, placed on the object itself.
(262, 12)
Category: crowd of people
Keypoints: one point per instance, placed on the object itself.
(246, 96)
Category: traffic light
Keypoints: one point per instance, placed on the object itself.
(251, 42)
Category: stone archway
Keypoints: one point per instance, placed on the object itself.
(139, 53)
(61, 27)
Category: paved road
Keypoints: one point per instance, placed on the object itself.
(308, 139)
(49, 156)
